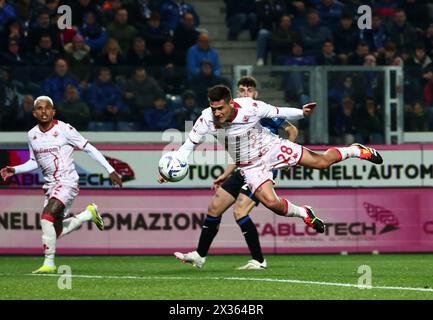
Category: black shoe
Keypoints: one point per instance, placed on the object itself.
(312, 221)
(369, 154)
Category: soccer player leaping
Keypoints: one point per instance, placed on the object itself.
(51, 144)
(232, 189)
(257, 152)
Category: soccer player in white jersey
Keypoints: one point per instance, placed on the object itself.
(231, 189)
(257, 152)
(51, 144)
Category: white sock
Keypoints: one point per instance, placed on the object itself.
(49, 242)
(70, 225)
(295, 211)
(84, 216)
(349, 152)
(75, 222)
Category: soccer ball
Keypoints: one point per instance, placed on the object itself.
(173, 167)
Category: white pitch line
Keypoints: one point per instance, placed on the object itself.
(335, 284)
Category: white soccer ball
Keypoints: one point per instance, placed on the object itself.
(173, 167)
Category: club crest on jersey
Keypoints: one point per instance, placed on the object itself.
(55, 134)
(34, 137)
(246, 119)
(255, 104)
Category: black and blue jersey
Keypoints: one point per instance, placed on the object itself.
(273, 124)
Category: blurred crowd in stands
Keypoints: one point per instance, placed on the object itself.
(146, 64)
(326, 32)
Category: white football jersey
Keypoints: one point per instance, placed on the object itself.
(244, 138)
(52, 149)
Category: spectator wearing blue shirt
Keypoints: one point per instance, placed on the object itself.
(377, 36)
(296, 82)
(330, 13)
(172, 12)
(154, 34)
(55, 85)
(298, 58)
(161, 116)
(199, 52)
(7, 13)
(372, 82)
(105, 98)
(94, 34)
(313, 34)
(344, 129)
(343, 87)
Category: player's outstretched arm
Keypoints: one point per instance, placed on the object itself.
(265, 110)
(26, 167)
(228, 171)
(308, 108)
(185, 150)
(96, 155)
(7, 172)
(292, 131)
(160, 179)
(116, 179)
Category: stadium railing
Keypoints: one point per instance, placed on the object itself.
(275, 84)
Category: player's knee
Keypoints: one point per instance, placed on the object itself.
(239, 212)
(271, 203)
(213, 210)
(54, 208)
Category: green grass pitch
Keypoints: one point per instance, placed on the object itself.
(394, 276)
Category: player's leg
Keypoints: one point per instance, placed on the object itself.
(67, 193)
(220, 202)
(243, 206)
(50, 220)
(322, 161)
(266, 194)
(74, 222)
